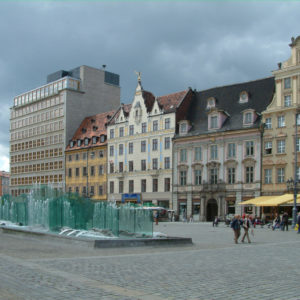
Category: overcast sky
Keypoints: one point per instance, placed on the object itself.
(175, 45)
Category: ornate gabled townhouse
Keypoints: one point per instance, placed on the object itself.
(282, 122)
(217, 151)
(140, 147)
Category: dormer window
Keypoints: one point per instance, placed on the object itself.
(78, 143)
(95, 128)
(102, 138)
(214, 122)
(86, 141)
(211, 102)
(244, 97)
(183, 128)
(83, 130)
(71, 144)
(248, 118)
(94, 140)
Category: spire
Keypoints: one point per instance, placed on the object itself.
(139, 87)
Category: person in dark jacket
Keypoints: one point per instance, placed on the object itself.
(236, 227)
(285, 221)
(298, 222)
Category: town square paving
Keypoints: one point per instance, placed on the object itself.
(212, 268)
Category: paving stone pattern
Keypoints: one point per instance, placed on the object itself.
(213, 268)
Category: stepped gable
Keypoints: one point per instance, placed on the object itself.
(260, 94)
(92, 126)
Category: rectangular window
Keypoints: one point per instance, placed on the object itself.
(213, 122)
(121, 149)
(183, 155)
(77, 172)
(154, 185)
(231, 175)
(70, 172)
(249, 148)
(287, 100)
(111, 133)
(155, 125)
(287, 83)
(154, 163)
(144, 127)
(198, 153)
(120, 166)
(143, 146)
(249, 174)
(130, 148)
(167, 123)
(84, 191)
(281, 146)
(111, 187)
(183, 128)
(268, 147)
(84, 171)
(101, 153)
(77, 157)
(131, 186)
(213, 176)
(111, 167)
(198, 177)
(154, 145)
(92, 171)
(92, 191)
(121, 131)
(248, 118)
(182, 177)
(100, 170)
(70, 157)
(131, 129)
(167, 162)
(280, 175)
(268, 123)
(231, 150)
(121, 186)
(100, 191)
(167, 142)
(111, 150)
(143, 164)
(143, 185)
(281, 121)
(268, 176)
(213, 152)
(167, 184)
(130, 166)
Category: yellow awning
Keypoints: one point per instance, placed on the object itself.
(277, 200)
(292, 202)
(256, 200)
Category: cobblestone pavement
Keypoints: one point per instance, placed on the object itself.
(213, 268)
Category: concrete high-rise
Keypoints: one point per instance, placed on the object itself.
(43, 120)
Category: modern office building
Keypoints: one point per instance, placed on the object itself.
(217, 151)
(282, 120)
(140, 147)
(43, 121)
(4, 183)
(86, 158)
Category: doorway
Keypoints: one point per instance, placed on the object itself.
(211, 210)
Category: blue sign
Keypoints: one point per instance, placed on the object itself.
(131, 197)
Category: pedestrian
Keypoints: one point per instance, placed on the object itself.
(285, 221)
(298, 222)
(156, 217)
(236, 227)
(216, 222)
(276, 222)
(246, 225)
(191, 218)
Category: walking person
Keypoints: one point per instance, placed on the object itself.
(285, 221)
(236, 227)
(298, 222)
(246, 225)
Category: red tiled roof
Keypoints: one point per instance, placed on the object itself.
(170, 102)
(90, 127)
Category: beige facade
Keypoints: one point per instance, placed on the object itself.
(279, 139)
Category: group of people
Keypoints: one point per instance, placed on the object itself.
(236, 224)
(281, 222)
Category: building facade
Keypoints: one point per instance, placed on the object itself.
(140, 147)
(217, 151)
(44, 120)
(281, 124)
(4, 183)
(86, 158)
